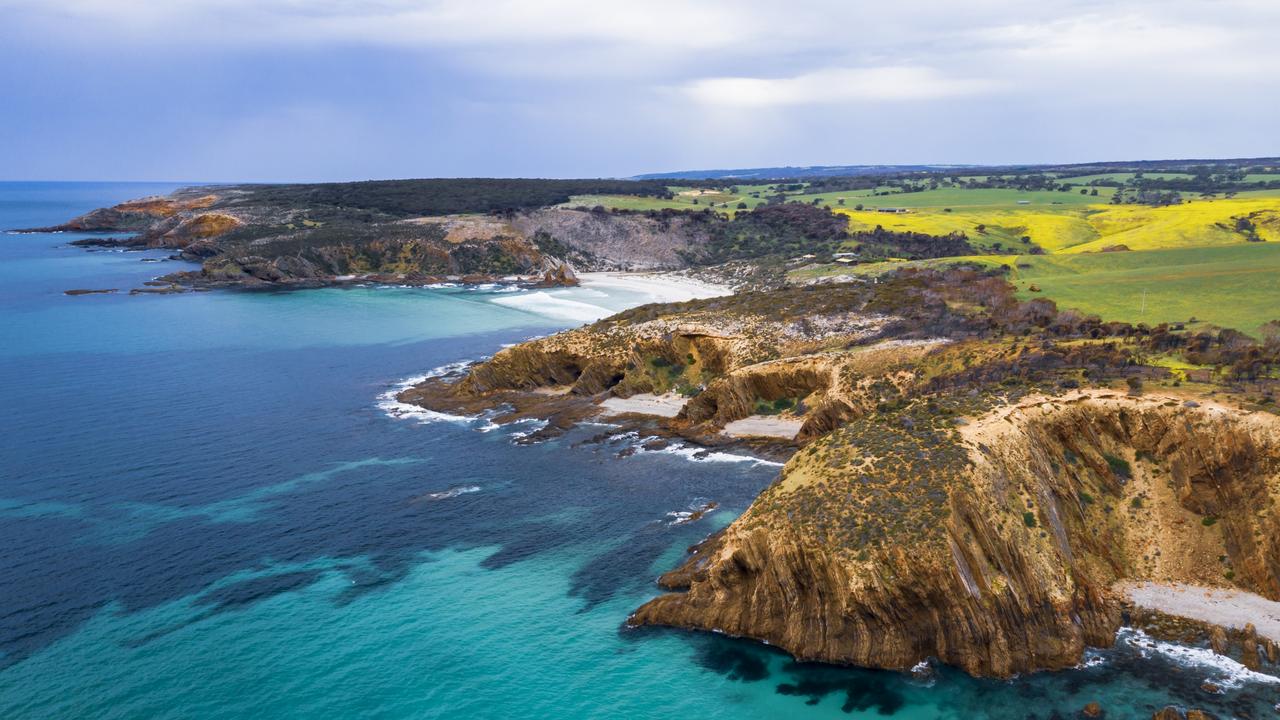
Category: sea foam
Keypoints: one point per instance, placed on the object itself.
(1225, 672)
(552, 306)
(393, 408)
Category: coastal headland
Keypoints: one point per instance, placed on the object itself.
(973, 474)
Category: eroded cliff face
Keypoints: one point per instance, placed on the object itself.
(609, 241)
(936, 507)
(726, 357)
(246, 240)
(992, 545)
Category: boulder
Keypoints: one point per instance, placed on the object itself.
(1218, 640)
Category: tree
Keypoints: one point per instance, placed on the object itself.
(982, 228)
(858, 206)
(742, 206)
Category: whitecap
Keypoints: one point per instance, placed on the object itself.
(393, 408)
(535, 423)
(688, 452)
(695, 454)
(548, 305)
(451, 492)
(1225, 672)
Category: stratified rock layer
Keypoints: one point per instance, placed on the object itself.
(991, 546)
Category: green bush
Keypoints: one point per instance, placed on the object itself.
(1119, 466)
(1029, 519)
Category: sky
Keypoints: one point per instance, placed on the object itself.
(315, 90)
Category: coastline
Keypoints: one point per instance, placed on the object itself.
(1229, 608)
(599, 295)
(663, 286)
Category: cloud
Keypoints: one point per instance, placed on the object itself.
(656, 24)
(615, 86)
(835, 86)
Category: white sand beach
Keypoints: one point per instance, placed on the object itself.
(661, 287)
(606, 293)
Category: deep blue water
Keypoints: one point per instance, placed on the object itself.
(204, 512)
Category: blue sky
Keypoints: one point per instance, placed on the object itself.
(261, 90)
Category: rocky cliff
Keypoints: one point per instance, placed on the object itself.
(247, 235)
(965, 481)
(990, 543)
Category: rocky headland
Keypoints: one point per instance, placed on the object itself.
(969, 478)
(528, 231)
(300, 236)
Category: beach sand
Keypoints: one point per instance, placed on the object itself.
(603, 294)
(1228, 608)
(668, 405)
(662, 287)
(764, 426)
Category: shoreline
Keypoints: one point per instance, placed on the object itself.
(663, 285)
(1226, 607)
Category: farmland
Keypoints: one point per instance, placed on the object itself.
(959, 197)
(1216, 260)
(1231, 286)
(1212, 255)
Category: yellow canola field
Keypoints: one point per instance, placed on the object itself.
(1093, 227)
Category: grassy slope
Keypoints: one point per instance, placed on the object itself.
(1188, 258)
(1232, 286)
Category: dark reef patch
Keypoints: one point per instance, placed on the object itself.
(735, 659)
(863, 690)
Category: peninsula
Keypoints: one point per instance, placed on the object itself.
(996, 453)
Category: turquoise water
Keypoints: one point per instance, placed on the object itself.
(206, 513)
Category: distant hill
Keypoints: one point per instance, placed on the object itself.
(773, 173)
(827, 171)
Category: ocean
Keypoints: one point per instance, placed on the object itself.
(210, 507)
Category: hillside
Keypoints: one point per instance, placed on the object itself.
(402, 231)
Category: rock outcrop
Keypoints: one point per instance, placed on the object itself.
(992, 545)
(952, 493)
(246, 236)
